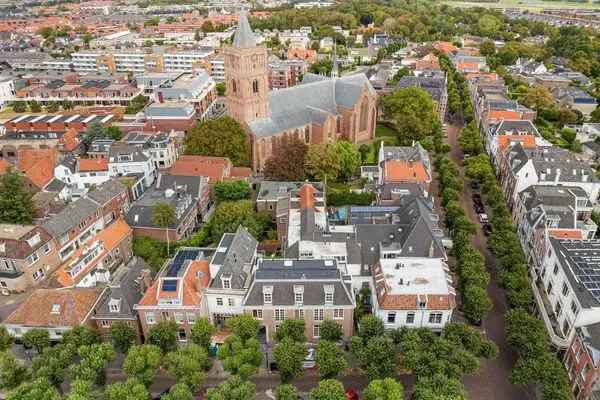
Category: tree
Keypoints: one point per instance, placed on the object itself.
(207, 26)
(222, 137)
(438, 386)
(370, 326)
(37, 338)
(538, 97)
(323, 162)
(122, 336)
(154, 21)
(234, 388)
(138, 102)
(240, 357)
(330, 330)
(35, 107)
(232, 190)
(229, 215)
(377, 357)
(52, 107)
(293, 329)
(80, 335)
(6, 339)
(330, 359)
(54, 363)
(40, 389)
(487, 48)
(286, 392)
(164, 335)
(328, 389)
(489, 26)
(67, 105)
(289, 356)
(411, 113)
(179, 391)
(595, 115)
(16, 204)
(349, 158)
(384, 389)
(221, 89)
(153, 251)
(244, 326)
(163, 216)
(83, 390)
(114, 132)
(287, 160)
(568, 134)
(19, 106)
(12, 373)
(131, 389)
(186, 365)
(476, 303)
(93, 360)
(93, 132)
(142, 363)
(201, 333)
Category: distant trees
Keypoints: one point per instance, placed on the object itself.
(231, 214)
(222, 137)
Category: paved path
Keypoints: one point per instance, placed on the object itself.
(493, 380)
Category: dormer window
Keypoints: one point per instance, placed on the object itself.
(268, 294)
(226, 281)
(55, 309)
(114, 305)
(328, 294)
(35, 239)
(298, 295)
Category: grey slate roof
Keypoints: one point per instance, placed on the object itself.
(312, 275)
(244, 37)
(236, 259)
(275, 190)
(55, 185)
(169, 109)
(119, 148)
(107, 191)
(514, 127)
(70, 216)
(125, 286)
(310, 103)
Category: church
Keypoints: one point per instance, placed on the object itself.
(318, 110)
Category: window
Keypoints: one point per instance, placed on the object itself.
(191, 318)
(179, 318)
(329, 298)
(182, 335)
(558, 309)
(279, 314)
(410, 318)
(565, 289)
(566, 327)
(364, 114)
(555, 270)
(549, 289)
(299, 314)
(39, 274)
(268, 298)
(234, 86)
(47, 248)
(391, 318)
(316, 331)
(318, 314)
(338, 313)
(150, 320)
(299, 298)
(104, 323)
(435, 318)
(114, 305)
(257, 314)
(227, 283)
(230, 302)
(165, 316)
(55, 309)
(574, 307)
(255, 86)
(32, 258)
(219, 301)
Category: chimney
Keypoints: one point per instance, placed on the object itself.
(307, 196)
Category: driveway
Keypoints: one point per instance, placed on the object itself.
(493, 379)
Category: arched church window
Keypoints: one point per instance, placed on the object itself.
(364, 114)
(255, 86)
(234, 86)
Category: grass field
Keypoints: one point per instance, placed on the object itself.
(526, 4)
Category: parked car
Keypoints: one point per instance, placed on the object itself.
(309, 361)
(351, 394)
(483, 218)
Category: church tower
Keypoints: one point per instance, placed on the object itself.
(246, 75)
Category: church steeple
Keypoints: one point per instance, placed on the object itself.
(244, 37)
(334, 64)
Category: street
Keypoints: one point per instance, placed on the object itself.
(493, 379)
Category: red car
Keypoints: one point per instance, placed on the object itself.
(351, 394)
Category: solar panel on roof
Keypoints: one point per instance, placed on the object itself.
(169, 285)
(180, 259)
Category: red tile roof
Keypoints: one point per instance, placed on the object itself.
(38, 165)
(565, 233)
(93, 164)
(71, 307)
(215, 168)
(405, 171)
(528, 141)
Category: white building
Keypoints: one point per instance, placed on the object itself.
(125, 159)
(7, 90)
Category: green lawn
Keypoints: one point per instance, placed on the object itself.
(533, 5)
(382, 131)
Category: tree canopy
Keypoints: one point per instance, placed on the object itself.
(16, 204)
(222, 137)
(411, 112)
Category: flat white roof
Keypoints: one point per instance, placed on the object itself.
(88, 119)
(55, 118)
(72, 118)
(412, 276)
(21, 118)
(107, 118)
(39, 117)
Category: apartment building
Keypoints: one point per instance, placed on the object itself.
(160, 148)
(311, 290)
(138, 61)
(28, 254)
(198, 89)
(85, 217)
(412, 292)
(189, 196)
(231, 273)
(177, 293)
(125, 159)
(286, 73)
(582, 363)
(404, 164)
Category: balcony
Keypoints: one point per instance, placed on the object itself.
(545, 308)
